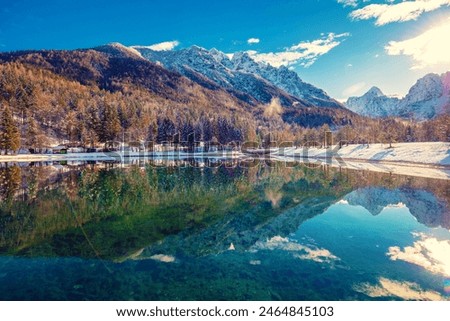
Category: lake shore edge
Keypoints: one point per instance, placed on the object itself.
(417, 154)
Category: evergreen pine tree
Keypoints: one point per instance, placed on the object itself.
(110, 124)
(166, 131)
(9, 132)
(31, 139)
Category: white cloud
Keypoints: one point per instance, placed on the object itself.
(397, 205)
(428, 252)
(354, 89)
(252, 41)
(348, 3)
(305, 53)
(316, 255)
(354, 3)
(163, 46)
(403, 290)
(427, 49)
(278, 59)
(299, 251)
(163, 258)
(398, 12)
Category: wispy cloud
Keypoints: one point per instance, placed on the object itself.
(392, 288)
(304, 53)
(354, 89)
(427, 49)
(348, 3)
(163, 258)
(162, 46)
(252, 41)
(303, 252)
(355, 3)
(397, 12)
(428, 252)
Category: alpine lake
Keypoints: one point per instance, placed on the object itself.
(208, 229)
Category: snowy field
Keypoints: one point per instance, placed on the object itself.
(414, 159)
(411, 153)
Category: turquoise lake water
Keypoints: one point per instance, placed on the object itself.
(185, 231)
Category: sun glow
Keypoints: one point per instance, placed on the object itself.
(430, 48)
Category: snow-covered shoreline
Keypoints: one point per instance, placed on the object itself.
(415, 159)
(114, 156)
(431, 160)
(436, 154)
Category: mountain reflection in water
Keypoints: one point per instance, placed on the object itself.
(189, 230)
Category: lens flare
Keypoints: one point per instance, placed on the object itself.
(447, 286)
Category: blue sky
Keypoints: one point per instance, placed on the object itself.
(342, 46)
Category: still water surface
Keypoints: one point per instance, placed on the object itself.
(173, 231)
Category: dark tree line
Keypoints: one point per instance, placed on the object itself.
(187, 133)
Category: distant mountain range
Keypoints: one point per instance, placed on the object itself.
(423, 205)
(187, 86)
(240, 74)
(202, 81)
(254, 81)
(429, 97)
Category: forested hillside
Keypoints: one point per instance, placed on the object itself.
(95, 97)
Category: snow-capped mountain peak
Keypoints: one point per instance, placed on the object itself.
(372, 104)
(242, 74)
(243, 62)
(426, 88)
(374, 92)
(219, 56)
(428, 97)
